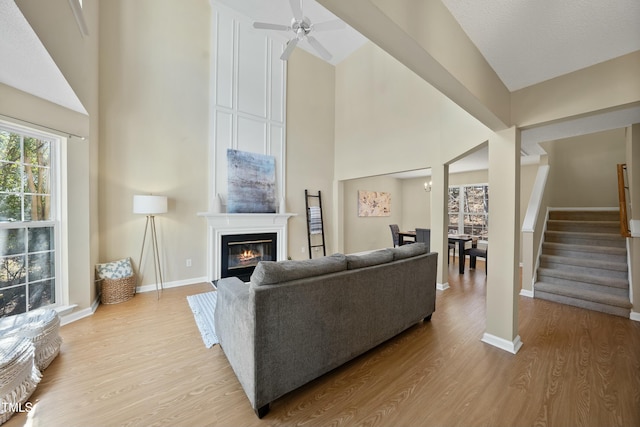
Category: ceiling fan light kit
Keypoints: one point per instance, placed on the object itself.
(301, 26)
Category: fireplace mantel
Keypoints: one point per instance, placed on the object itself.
(221, 224)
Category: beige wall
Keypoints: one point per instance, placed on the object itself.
(583, 169)
(367, 233)
(77, 59)
(386, 111)
(604, 86)
(416, 204)
(154, 95)
(398, 119)
(310, 149)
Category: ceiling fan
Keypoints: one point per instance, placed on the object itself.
(302, 27)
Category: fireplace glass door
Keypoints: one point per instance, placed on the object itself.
(242, 252)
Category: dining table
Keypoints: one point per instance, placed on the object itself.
(402, 234)
(461, 240)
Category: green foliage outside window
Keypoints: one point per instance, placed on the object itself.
(27, 252)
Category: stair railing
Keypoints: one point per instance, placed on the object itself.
(623, 189)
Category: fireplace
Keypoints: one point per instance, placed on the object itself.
(221, 225)
(240, 253)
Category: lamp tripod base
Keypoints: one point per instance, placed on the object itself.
(157, 268)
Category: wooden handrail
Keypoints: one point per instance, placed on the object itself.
(622, 198)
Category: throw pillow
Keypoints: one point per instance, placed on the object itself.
(115, 269)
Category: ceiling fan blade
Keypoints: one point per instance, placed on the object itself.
(335, 24)
(296, 8)
(268, 26)
(289, 49)
(324, 53)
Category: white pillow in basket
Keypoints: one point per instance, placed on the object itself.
(115, 269)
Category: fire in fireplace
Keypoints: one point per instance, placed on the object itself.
(240, 253)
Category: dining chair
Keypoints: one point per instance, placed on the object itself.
(424, 235)
(394, 234)
(474, 252)
(451, 251)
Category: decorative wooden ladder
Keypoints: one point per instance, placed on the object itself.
(315, 222)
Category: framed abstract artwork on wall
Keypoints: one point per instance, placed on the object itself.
(252, 182)
(374, 203)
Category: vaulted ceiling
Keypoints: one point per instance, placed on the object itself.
(525, 42)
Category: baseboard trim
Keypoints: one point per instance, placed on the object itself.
(501, 343)
(526, 293)
(442, 286)
(174, 284)
(635, 316)
(81, 314)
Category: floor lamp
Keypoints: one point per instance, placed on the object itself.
(150, 206)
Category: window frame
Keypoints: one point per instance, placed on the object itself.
(461, 213)
(56, 147)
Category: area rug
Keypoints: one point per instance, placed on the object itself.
(203, 306)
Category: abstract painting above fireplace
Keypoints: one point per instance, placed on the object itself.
(252, 182)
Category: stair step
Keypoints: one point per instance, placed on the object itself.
(585, 239)
(582, 279)
(604, 253)
(583, 294)
(581, 303)
(584, 226)
(583, 262)
(591, 266)
(580, 215)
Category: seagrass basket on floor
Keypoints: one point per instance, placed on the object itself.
(114, 291)
(117, 281)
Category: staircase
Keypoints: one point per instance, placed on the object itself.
(584, 262)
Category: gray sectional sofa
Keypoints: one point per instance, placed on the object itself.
(296, 320)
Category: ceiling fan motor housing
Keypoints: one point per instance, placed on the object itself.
(302, 27)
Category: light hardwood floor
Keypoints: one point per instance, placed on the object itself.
(143, 363)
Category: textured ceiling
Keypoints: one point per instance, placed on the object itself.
(527, 42)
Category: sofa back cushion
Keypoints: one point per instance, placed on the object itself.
(368, 259)
(272, 272)
(407, 251)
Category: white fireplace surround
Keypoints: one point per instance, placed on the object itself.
(223, 224)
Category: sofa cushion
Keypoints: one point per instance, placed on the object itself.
(407, 251)
(368, 259)
(272, 272)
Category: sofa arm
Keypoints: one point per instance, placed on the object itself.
(234, 322)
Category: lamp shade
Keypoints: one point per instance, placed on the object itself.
(149, 205)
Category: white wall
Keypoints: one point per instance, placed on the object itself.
(248, 94)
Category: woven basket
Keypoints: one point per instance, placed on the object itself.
(118, 290)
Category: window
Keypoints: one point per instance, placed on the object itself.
(29, 225)
(469, 210)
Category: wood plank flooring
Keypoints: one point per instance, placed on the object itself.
(143, 363)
